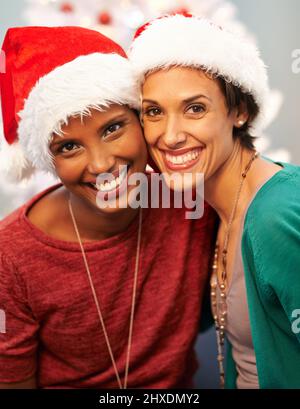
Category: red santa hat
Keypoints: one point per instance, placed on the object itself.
(52, 73)
(190, 41)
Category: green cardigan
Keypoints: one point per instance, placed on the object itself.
(271, 258)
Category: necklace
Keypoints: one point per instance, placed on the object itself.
(219, 306)
(137, 258)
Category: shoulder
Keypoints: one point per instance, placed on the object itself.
(271, 237)
(15, 230)
(46, 210)
(11, 228)
(277, 203)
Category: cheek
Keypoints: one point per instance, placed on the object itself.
(155, 155)
(68, 170)
(152, 130)
(134, 146)
(213, 131)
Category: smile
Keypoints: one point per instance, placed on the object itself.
(108, 187)
(181, 159)
(114, 184)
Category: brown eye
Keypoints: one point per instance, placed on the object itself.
(112, 128)
(67, 147)
(195, 109)
(152, 112)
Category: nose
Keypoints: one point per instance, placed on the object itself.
(99, 160)
(174, 136)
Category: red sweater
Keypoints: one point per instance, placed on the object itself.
(52, 326)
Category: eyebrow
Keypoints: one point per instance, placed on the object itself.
(185, 101)
(118, 117)
(150, 101)
(191, 99)
(62, 140)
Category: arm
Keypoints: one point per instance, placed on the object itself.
(19, 329)
(275, 243)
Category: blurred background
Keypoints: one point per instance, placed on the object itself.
(272, 24)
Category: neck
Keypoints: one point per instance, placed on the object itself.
(95, 225)
(221, 188)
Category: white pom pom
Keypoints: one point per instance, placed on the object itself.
(14, 166)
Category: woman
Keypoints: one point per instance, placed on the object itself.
(203, 89)
(93, 296)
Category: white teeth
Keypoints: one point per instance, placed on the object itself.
(183, 159)
(107, 186)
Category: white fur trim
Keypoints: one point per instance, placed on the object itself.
(14, 166)
(92, 81)
(196, 42)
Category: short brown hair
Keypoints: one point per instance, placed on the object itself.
(235, 97)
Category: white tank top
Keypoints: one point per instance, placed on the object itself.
(238, 328)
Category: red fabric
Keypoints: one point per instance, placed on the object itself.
(51, 320)
(31, 53)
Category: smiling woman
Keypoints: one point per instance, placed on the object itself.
(94, 297)
(204, 91)
(189, 122)
(103, 142)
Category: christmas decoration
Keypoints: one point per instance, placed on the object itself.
(181, 10)
(66, 8)
(104, 18)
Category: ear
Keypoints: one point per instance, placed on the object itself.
(241, 115)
